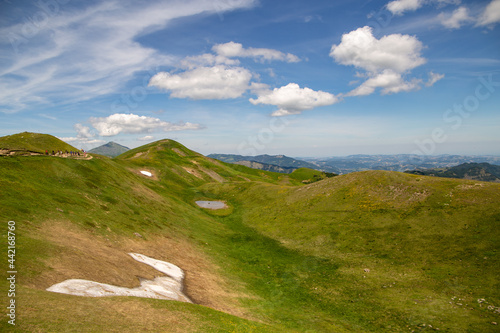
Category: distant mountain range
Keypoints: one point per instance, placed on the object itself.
(276, 163)
(474, 171)
(110, 149)
(401, 162)
(353, 163)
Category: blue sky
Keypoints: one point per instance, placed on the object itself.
(301, 78)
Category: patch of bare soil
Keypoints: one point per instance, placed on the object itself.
(139, 154)
(214, 175)
(193, 172)
(179, 152)
(83, 255)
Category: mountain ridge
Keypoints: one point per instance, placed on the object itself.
(474, 171)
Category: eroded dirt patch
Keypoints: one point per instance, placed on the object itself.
(179, 152)
(84, 255)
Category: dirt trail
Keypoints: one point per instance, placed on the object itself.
(82, 156)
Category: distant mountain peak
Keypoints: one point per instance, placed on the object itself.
(110, 149)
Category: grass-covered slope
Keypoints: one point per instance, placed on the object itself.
(399, 252)
(27, 142)
(184, 167)
(307, 176)
(364, 252)
(80, 218)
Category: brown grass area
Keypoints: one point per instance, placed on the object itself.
(214, 175)
(179, 152)
(83, 255)
(193, 172)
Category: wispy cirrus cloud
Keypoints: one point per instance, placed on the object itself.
(79, 54)
(236, 50)
(487, 15)
(228, 54)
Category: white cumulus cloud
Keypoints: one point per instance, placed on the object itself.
(132, 124)
(398, 7)
(291, 99)
(217, 82)
(385, 60)
(83, 135)
(361, 49)
(389, 81)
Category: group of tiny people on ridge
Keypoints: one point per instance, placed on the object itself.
(67, 153)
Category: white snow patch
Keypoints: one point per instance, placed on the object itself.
(171, 270)
(147, 173)
(164, 287)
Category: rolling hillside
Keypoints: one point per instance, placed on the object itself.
(371, 251)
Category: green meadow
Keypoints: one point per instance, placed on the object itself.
(370, 251)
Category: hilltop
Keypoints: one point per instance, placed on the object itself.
(27, 143)
(110, 149)
(373, 251)
(476, 171)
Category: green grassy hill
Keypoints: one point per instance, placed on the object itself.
(363, 252)
(27, 142)
(307, 176)
(385, 250)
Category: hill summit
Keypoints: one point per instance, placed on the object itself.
(110, 149)
(28, 143)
